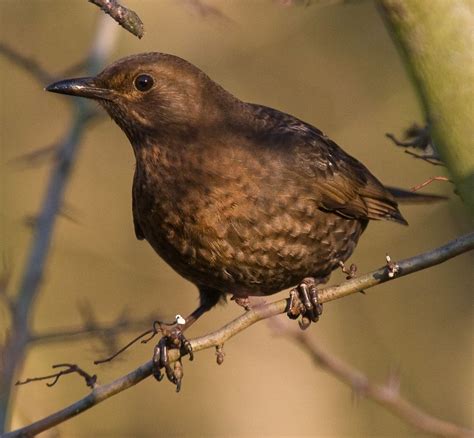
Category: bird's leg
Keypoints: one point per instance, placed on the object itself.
(304, 302)
(173, 337)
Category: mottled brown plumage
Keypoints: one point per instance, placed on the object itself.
(238, 198)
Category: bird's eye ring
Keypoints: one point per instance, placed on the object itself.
(143, 82)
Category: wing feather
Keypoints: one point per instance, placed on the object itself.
(343, 184)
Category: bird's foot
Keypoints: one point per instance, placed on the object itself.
(173, 338)
(242, 302)
(304, 302)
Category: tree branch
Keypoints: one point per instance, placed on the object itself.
(16, 342)
(435, 39)
(218, 338)
(387, 394)
(127, 18)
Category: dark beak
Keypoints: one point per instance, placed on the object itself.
(82, 87)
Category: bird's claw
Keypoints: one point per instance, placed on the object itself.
(304, 302)
(172, 339)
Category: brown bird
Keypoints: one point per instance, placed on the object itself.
(238, 198)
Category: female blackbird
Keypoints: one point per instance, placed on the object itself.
(238, 198)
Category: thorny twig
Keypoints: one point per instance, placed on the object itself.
(431, 258)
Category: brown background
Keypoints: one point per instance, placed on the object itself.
(332, 66)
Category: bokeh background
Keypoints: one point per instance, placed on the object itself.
(333, 66)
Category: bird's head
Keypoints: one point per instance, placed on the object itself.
(152, 93)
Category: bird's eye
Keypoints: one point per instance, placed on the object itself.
(143, 82)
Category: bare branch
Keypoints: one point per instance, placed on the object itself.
(35, 157)
(218, 338)
(70, 368)
(100, 330)
(5, 277)
(27, 63)
(51, 152)
(387, 394)
(429, 158)
(127, 18)
(419, 137)
(14, 348)
(66, 211)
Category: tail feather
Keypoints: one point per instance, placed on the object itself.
(380, 209)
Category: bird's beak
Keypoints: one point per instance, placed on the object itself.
(82, 87)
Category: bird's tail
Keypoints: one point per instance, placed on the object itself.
(403, 196)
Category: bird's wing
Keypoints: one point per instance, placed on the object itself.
(343, 184)
(138, 230)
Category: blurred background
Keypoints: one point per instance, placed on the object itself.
(333, 66)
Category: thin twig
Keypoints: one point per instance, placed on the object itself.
(418, 137)
(128, 345)
(150, 334)
(35, 157)
(387, 395)
(429, 158)
(70, 369)
(431, 258)
(429, 181)
(79, 333)
(127, 18)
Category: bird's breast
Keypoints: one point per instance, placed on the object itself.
(235, 223)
